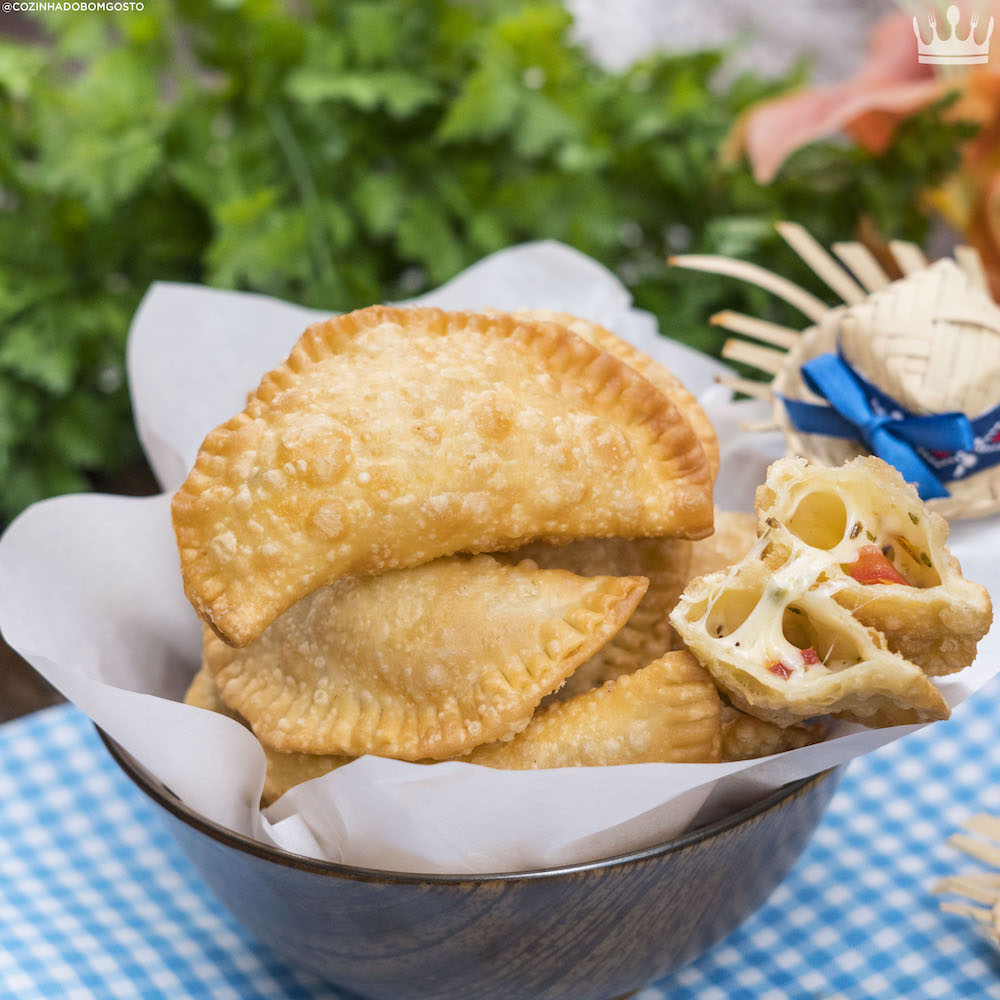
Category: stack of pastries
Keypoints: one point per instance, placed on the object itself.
(489, 537)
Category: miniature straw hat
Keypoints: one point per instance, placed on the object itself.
(906, 369)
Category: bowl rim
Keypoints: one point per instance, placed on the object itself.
(165, 798)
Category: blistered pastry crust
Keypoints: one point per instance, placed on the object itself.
(284, 770)
(661, 376)
(393, 436)
(734, 536)
(420, 663)
(745, 737)
(668, 712)
(647, 635)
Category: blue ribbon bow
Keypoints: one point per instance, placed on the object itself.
(893, 436)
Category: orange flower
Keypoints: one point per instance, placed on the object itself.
(891, 85)
(970, 199)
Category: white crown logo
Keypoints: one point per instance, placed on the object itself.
(953, 51)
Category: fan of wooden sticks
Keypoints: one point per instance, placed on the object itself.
(929, 339)
(982, 888)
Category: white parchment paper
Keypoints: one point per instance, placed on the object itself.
(90, 594)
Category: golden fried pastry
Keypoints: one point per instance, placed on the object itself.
(746, 738)
(284, 770)
(647, 635)
(734, 536)
(661, 376)
(393, 436)
(886, 556)
(418, 663)
(668, 712)
(776, 642)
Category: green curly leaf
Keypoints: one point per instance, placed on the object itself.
(343, 154)
(397, 92)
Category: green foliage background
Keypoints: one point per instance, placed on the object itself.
(339, 154)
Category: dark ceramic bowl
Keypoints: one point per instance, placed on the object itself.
(591, 931)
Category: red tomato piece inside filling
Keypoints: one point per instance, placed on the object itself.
(872, 566)
(777, 667)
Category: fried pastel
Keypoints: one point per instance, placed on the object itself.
(746, 738)
(420, 663)
(666, 712)
(393, 436)
(284, 770)
(647, 635)
(735, 534)
(783, 650)
(660, 375)
(888, 558)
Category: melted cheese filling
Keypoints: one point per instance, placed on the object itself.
(757, 639)
(862, 512)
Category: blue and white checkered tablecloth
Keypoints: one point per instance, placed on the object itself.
(96, 901)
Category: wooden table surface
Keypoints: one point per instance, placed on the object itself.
(22, 688)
